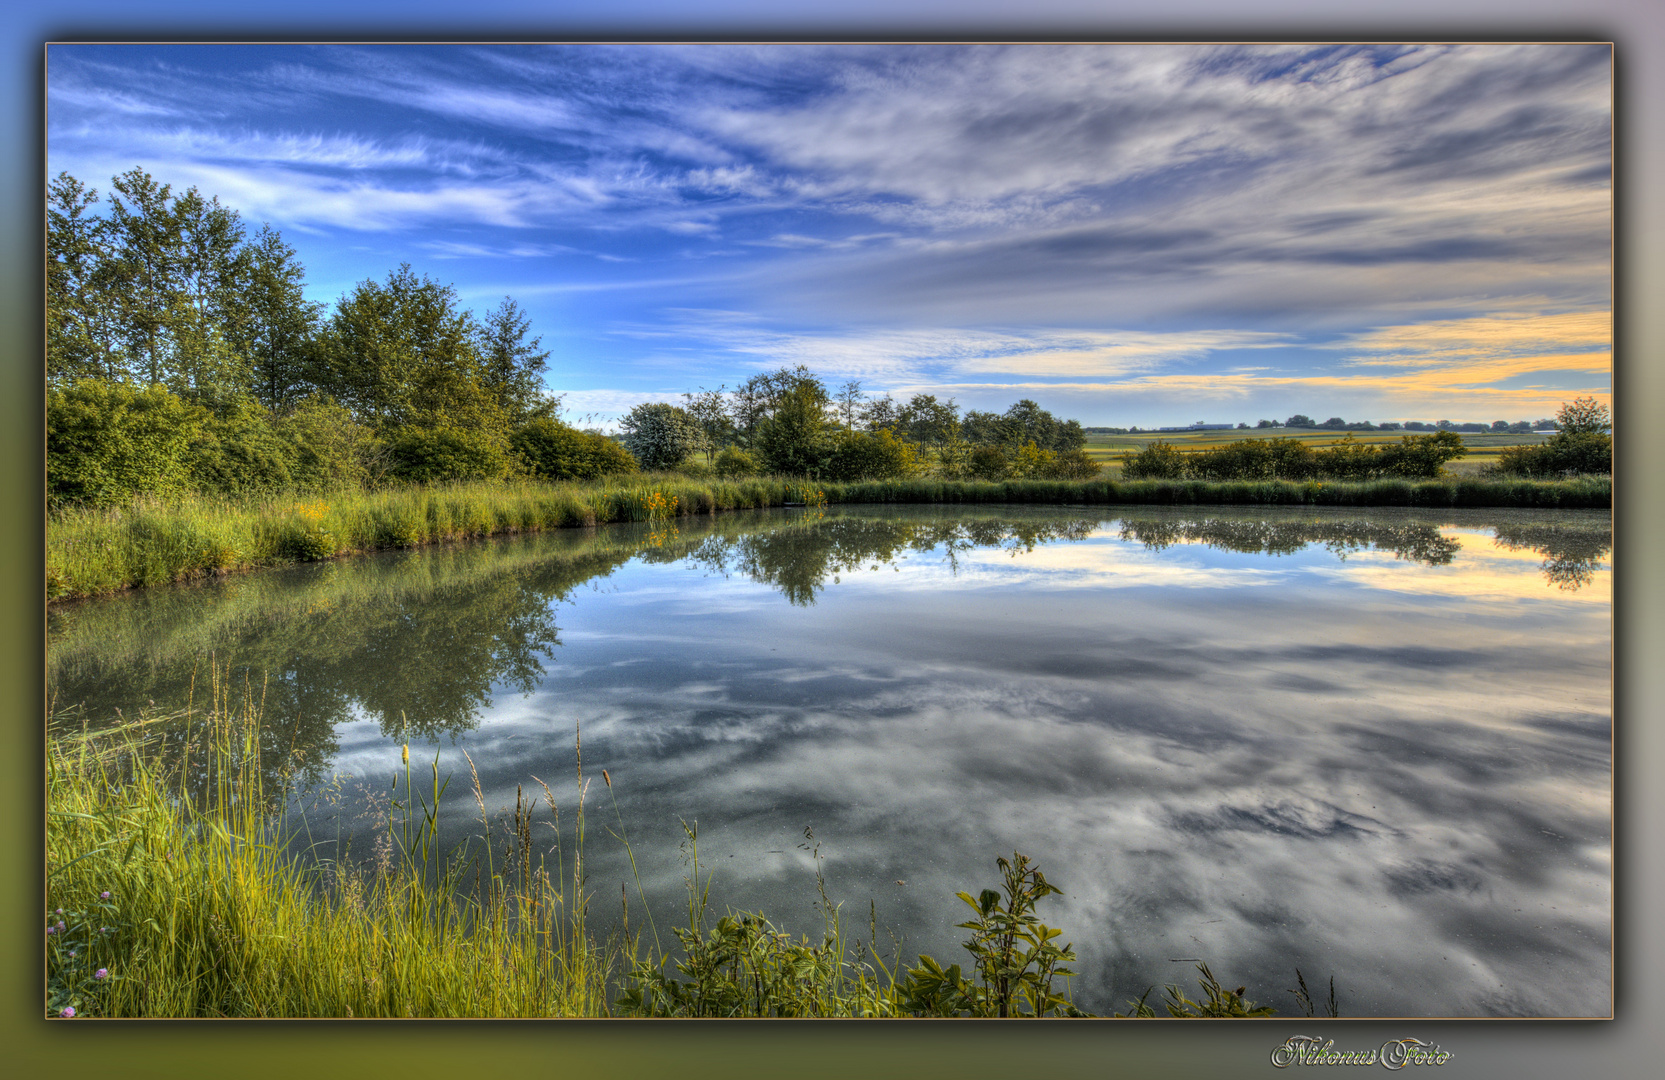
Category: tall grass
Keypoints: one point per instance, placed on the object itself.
(180, 893)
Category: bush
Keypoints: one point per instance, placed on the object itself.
(1156, 461)
(1563, 455)
(241, 453)
(988, 463)
(660, 436)
(557, 451)
(860, 455)
(427, 455)
(733, 462)
(331, 449)
(107, 442)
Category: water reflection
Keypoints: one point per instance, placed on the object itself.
(1393, 765)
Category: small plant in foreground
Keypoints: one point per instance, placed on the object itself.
(1013, 952)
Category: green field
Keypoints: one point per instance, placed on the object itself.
(1108, 450)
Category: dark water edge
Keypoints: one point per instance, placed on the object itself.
(1374, 744)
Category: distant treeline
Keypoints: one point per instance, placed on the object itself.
(789, 422)
(1336, 423)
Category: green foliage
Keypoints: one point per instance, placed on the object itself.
(1583, 416)
(108, 442)
(988, 462)
(557, 451)
(241, 452)
(331, 449)
(1013, 954)
(426, 455)
(860, 455)
(1562, 455)
(1158, 460)
(1580, 446)
(795, 439)
(1412, 457)
(1074, 465)
(659, 435)
(734, 462)
(511, 366)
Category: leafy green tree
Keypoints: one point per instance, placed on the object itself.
(881, 414)
(279, 329)
(659, 435)
(734, 462)
(794, 439)
(557, 451)
(929, 422)
(107, 442)
(1300, 420)
(400, 353)
(709, 409)
(241, 451)
(331, 449)
(1158, 460)
(81, 338)
(851, 404)
(756, 400)
(1583, 416)
(511, 366)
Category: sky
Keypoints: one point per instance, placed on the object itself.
(1126, 233)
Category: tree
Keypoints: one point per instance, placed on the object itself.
(794, 439)
(1583, 416)
(659, 435)
(1299, 420)
(107, 442)
(881, 414)
(850, 400)
(280, 325)
(709, 410)
(557, 451)
(512, 367)
(80, 341)
(927, 421)
(1267, 424)
(399, 353)
(756, 399)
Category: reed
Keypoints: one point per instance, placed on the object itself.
(187, 892)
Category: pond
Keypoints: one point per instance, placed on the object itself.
(1371, 744)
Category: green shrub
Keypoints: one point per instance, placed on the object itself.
(659, 435)
(429, 455)
(107, 442)
(988, 463)
(1156, 461)
(241, 453)
(861, 455)
(557, 451)
(734, 462)
(331, 449)
(1073, 465)
(1574, 454)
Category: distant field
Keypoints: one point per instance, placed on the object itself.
(1482, 449)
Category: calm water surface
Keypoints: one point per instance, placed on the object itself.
(1373, 744)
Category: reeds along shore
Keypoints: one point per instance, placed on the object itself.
(95, 552)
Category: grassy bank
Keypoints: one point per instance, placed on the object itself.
(94, 552)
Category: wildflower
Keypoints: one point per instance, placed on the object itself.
(68, 1012)
(51, 930)
(105, 895)
(102, 973)
(60, 926)
(72, 954)
(60, 911)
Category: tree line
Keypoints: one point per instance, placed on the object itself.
(182, 353)
(789, 421)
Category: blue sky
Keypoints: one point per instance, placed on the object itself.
(1128, 234)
